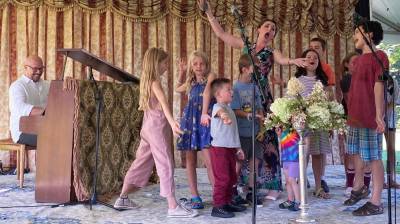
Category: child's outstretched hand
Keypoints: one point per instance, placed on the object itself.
(176, 130)
(240, 154)
(182, 64)
(225, 117)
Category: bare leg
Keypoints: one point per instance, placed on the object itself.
(316, 165)
(172, 202)
(127, 189)
(191, 161)
(207, 162)
(295, 188)
(349, 164)
(377, 180)
(323, 165)
(289, 189)
(359, 176)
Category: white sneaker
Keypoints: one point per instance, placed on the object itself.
(125, 203)
(181, 212)
(347, 192)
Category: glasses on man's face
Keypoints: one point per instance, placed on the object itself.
(34, 69)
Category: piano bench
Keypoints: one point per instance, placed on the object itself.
(9, 145)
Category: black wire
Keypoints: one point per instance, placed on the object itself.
(28, 206)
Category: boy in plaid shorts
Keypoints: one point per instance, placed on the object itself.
(365, 118)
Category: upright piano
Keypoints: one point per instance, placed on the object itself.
(55, 130)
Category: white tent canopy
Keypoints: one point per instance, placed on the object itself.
(387, 12)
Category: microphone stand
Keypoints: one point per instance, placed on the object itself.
(255, 81)
(385, 78)
(99, 105)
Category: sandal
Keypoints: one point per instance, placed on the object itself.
(320, 193)
(197, 203)
(356, 196)
(368, 209)
(285, 204)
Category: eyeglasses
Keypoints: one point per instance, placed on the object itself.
(35, 68)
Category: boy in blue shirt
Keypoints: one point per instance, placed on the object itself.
(242, 106)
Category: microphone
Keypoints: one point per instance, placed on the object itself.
(238, 15)
(235, 11)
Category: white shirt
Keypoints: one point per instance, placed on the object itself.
(24, 94)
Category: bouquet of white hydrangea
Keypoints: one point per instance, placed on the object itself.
(312, 112)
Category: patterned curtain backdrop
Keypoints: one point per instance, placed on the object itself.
(121, 31)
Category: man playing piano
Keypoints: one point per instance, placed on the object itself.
(27, 97)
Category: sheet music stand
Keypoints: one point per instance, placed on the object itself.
(94, 62)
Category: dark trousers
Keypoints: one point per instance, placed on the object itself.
(27, 139)
(223, 165)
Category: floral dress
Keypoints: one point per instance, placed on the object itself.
(195, 136)
(269, 171)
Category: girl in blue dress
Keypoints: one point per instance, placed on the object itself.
(195, 118)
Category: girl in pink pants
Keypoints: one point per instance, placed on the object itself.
(154, 145)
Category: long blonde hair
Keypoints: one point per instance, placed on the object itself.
(150, 65)
(190, 76)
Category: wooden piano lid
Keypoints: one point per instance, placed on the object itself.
(91, 60)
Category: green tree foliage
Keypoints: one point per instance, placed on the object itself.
(393, 51)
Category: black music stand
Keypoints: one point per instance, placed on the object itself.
(93, 62)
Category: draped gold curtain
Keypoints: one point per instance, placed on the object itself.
(326, 17)
(121, 31)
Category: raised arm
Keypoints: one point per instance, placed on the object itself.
(282, 60)
(181, 84)
(159, 93)
(205, 118)
(221, 113)
(228, 38)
